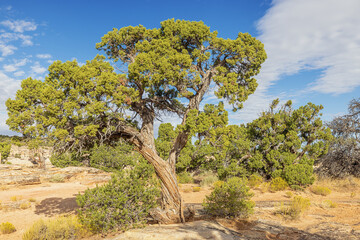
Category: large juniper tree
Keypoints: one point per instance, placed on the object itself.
(165, 70)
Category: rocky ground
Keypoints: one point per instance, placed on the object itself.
(49, 193)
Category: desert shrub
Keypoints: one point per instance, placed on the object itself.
(17, 155)
(196, 189)
(4, 150)
(110, 158)
(208, 179)
(233, 170)
(265, 187)
(185, 177)
(59, 228)
(319, 190)
(289, 194)
(15, 198)
(230, 199)
(25, 205)
(297, 206)
(299, 174)
(32, 200)
(122, 203)
(255, 180)
(57, 178)
(329, 204)
(7, 228)
(66, 159)
(278, 184)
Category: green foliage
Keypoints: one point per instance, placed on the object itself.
(230, 199)
(56, 229)
(111, 158)
(4, 150)
(319, 190)
(185, 177)
(299, 174)
(122, 203)
(278, 184)
(7, 228)
(66, 159)
(255, 180)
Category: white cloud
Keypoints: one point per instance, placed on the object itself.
(13, 67)
(7, 50)
(306, 35)
(19, 73)
(38, 69)
(19, 25)
(43, 56)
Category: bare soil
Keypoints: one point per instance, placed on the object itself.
(54, 199)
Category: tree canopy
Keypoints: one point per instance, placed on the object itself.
(164, 70)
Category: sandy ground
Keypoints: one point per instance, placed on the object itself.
(53, 199)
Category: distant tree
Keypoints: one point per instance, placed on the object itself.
(166, 70)
(343, 158)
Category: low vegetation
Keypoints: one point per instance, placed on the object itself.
(230, 199)
(122, 203)
(278, 184)
(320, 190)
(7, 228)
(293, 211)
(55, 229)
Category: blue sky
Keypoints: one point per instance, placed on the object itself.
(313, 46)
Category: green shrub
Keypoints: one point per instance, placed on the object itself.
(59, 228)
(7, 228)
(230, 199)
(25, 205)
(122, 203)
(17, 155)
(299, 174)
(278, 184)
(255, 180)
(185, 177)
(289, 194)
(4, 150)
(110, 158)
(196, 189)
(319, 190)
(233, 170)
(66, 159)
(297, 206)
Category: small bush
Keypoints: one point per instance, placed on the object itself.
(196, 189)
(59, 228)
(57, 178)
(297, 206)
(15, 198)
(278, 184)
(122, 203)
(297, 188)
(185, 177)
(352, 194)
(32, 200)
(289, 194)
(329, 204)
(230, 199)
(319, 190)
(299, 174)
(25, 205)
(255, 180)
(66, 159)
(218, 184)
(7, 228)
(208, 179)
(264, 187)
(17, 155)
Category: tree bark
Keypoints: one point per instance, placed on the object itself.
(171, 203)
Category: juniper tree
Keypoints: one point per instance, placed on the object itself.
(165, 70)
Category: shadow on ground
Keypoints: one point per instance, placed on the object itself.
(55, 206)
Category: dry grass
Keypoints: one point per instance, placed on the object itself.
(297, 206)
(320, 190)
(25, 205)
(15, 198)
(196, 189)
(349, 184)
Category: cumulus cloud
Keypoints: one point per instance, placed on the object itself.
(7, 50)
(305, 35)
(19, 25)
(43, 56)
(38, 69)
(13, 67)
